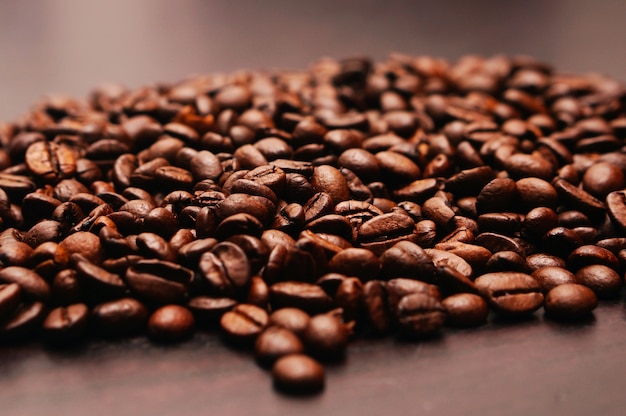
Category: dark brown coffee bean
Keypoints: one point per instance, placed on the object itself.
(448, 259)
(465, 310)
(208, 311)
(244, 323)
(159, 281)
(579, 199)
(616, 204)
(84, 243)
(24, 321)
(590, 254)
(308, 297)
(506, 261)
(171, 323)
(552, 276)
(225, 268)
(10, 296)
(498, 195)
(293, 319)
(100, 283)
(298, 374)
(384, 231)
(31, 284)
(120, 317)
(355, 262)
(470, 181)
(497, 242)
(604, 281)
(511, 293)
(276, 342)
(66, 323)
(419, 315)
(396, 168)
(603, 178)
(570, 302)
(326, 337)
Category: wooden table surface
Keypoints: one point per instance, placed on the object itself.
(524, 368)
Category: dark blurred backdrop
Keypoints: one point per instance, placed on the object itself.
(70, 46)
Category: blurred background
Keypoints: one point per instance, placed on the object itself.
(70, 46)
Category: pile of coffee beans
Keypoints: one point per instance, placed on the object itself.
(294, 211)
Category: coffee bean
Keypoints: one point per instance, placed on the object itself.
(551, 276)
(66, 323)
(616, 204)
(31, 284)
(570, 302)
(293, 319)
(50, 161)
(23, 322)
(420, 315)
(465, 310)
(604, 281)
(511, 293)
(120, 317)
(326, 337)
(159, 281)
(225, 268)
(171, 323)
(309, 297)
(244, 323)
(276, 342)
(208, 311)
(355, 262)
(298, 374)
(10, 296)
(384, 231)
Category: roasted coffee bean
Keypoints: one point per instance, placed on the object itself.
(511, 293)
(465, 310)
(298, 374)
(120, 317)
(225, 268)
(552, 276)
(50, 161)
(498, 195)
(244, 323)
(384, 231)
(23, 322)
(326, 337)
(10, 296)
(276, 342)
(102, 284)
(208, 311)
(31, 284)
(588, 255)
(355, 262)
(293, 319)
(171, 323)
(570, 301)
(448, 259)
(84, 243)
(506, 261)
(579, 199)
(604, 281)
(616, 204)
(66, 323)
(159, 281)
(420, 315)
(306, 296)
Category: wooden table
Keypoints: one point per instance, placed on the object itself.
(525, 368)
